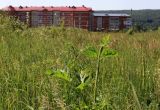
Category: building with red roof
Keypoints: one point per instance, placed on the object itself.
(71, 16)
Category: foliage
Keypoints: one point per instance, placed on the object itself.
(57, 68)
(10, 23)
(83, 78)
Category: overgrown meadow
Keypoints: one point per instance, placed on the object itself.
(57, 68)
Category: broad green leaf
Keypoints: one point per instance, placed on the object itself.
(90, 52)
(62, 74)
(59, 74)
(49, 72)
(86, 78)
(105, 41)
(81, 86)
(109, 53)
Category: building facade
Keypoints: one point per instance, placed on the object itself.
(79, 17)
(111, 22)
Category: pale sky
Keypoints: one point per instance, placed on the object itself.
(95, 4)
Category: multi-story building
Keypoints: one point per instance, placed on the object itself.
(111, 22)
(71, 16)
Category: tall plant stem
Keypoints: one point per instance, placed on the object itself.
(97, 72)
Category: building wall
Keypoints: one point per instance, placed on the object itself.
(41, 18)
(94, 24)
(111, 23)
(78, 19)
(127, 22)
(22, 16)
(81, 20)
(106, 23)
(47, 18)
(56, 18)
(67, 18)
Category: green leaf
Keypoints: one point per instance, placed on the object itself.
(81, 86)
(136, 97)
(105, 41)
(62, 74)
(59, 74)
(109, 53)
(90, 52)
(49, 72)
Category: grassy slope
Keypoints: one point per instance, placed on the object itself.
(25, 55)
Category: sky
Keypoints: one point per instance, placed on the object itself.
(95, 4)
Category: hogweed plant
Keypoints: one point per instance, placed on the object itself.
(76, 71)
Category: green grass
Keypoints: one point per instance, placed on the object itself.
(130, 81)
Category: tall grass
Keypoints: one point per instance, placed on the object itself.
(129, 81)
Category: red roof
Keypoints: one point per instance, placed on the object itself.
(51, 8)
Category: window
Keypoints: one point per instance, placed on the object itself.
(114, 23)
(128, 21)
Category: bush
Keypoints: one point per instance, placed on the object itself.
(10, 23)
